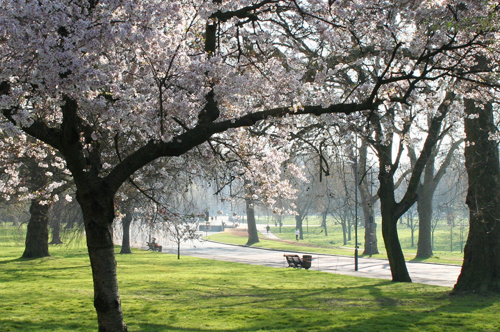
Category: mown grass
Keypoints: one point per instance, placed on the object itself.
(161, 293)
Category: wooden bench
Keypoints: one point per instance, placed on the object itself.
(153, 246)
(296, 262)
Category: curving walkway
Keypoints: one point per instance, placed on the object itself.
(425, 273)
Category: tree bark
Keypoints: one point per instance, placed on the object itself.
(367, 201)
(126, 222)
(253, 235)
(371, 246)
(390, 209)
(298, 225)
(98, 214)
(345, 229)
(60, 211)
(37, 235)
(178, 249)
(55, 225)
(481, 268)
(425, 193)
(390, 217)
(425, 210)
(323, 222)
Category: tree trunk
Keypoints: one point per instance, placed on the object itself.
(298, 225)
(481, 268)
(390, 215)
(343, 222)
(323, 223)
(371, 247)
(253, 235)
(392, 211)
(395, 254)
(365, 188)
(37, 235)
(98, 214)
(412, 230)
(126, 221)
(424, 208)
(55, 225)
(397, 263)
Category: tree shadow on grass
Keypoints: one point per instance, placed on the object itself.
(15, 260)
(8, 325)
(380, 306)
(426, 311)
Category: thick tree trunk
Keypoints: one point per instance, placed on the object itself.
(365, 188)
(397, 263)
(98, 213)
(424, 208)
(253, 235)
(126, 221)
(399, 271)
(37, 235)
(481, 268)
(371, 247)
(390, 215)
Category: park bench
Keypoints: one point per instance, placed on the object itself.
(296, 262)
(153, 246)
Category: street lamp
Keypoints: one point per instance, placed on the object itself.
(356, 213)
(372, 221)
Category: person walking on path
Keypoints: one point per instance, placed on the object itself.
(268, 228)
(297, 233)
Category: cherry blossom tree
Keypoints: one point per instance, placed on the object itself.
(98, 79)
(43, 178)
(180, 228)
(257, 162)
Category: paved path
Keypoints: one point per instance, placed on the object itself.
(425, 273)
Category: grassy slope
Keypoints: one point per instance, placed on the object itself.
(161, 293)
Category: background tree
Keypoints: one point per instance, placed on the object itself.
(390, 209)
(368, 198)
(426, 190)
(43, 178)
(65, 216)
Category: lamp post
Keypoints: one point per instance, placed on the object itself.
(356, 213)
(371, 230)
(355, 163)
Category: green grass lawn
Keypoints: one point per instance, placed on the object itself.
(447, 249)
(161, 293)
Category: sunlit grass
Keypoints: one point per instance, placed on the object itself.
(161, 293)
(448, 241)
(316, 241)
